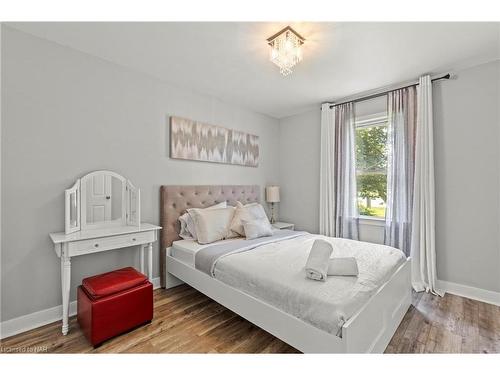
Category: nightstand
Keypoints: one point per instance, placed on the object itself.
(282, 225)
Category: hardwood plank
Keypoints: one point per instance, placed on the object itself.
(489, 329)
(470, 326)
(410, 339)
(399, 334)
(186, 321)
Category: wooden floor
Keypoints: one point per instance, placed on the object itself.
(186, 321)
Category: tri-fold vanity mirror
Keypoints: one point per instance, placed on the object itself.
(101, 199)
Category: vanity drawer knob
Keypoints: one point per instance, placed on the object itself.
(133, 239)
(96, 245)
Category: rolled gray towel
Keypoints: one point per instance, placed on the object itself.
(342, 267)
(317, 263)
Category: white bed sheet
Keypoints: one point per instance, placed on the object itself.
(274, 273)
(185, 250)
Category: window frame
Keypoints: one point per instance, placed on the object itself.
(365, 122)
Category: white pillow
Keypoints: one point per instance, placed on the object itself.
(212, 225)
(257, 228)
(251, 211)
(188, 230)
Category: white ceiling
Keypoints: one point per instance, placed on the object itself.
(230, 60)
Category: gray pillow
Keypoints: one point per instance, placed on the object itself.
(257, 228)
(248, 212)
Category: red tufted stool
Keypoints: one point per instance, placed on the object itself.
(114, 302)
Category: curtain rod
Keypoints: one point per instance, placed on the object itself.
(446, 76)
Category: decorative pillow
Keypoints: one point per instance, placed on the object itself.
(248, 212)
(212, 225)
(184, 232)
(257, 228)
(188, 230)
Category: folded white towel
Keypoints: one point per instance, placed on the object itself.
(317, 263)
(342, 267)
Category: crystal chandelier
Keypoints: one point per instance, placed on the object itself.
(285, 49)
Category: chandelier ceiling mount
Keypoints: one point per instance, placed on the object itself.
(286, 49)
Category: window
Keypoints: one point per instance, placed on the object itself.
(371, 165)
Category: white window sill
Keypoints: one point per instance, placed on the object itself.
(371, 220)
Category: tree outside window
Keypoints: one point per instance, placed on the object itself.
(371, 168)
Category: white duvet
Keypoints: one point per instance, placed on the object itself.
(274, 273)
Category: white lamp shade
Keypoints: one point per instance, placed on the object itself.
(272, 194)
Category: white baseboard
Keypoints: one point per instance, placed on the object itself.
(471, 292)
(40, 318)
(156, 283)
(34, 320)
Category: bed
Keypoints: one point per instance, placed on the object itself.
(264, 283)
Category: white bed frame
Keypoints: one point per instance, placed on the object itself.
(369, 331)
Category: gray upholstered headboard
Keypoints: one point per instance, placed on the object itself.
(174, 200)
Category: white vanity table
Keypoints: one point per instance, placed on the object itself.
(102, 214)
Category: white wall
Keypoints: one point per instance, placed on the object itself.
(467, 156)
(467, 161)
(67, 113)
(299, 170)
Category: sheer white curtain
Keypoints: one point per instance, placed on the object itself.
(338, 192)
(326, 173)
(423, 246)
(402, 116)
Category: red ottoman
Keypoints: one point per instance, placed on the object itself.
(113, 303)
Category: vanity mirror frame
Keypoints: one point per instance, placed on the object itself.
(130, 204)
(69, 226)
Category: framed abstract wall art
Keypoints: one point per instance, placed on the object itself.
(194, 140)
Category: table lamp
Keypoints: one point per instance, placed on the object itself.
(272, 196)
